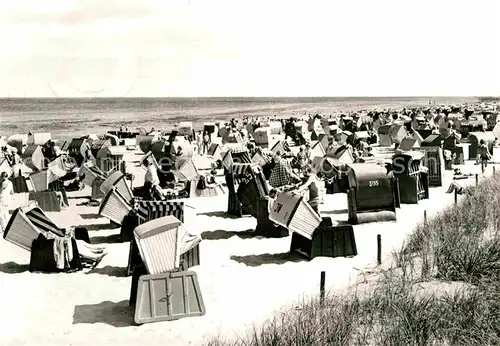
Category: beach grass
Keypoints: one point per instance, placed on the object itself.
(442, 289)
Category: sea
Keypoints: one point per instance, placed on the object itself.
(66, 118)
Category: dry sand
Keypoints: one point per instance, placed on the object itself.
(244, 279)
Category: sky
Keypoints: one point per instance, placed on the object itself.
(174, 48)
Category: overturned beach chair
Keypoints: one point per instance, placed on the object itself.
(183, 295)
(326, 241)
(291, 211)
(372, 193)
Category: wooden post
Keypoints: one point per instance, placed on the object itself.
(322, 288)
(379, 249)
(494, 170)
(425, 217)
(456, 196)
(477, 179)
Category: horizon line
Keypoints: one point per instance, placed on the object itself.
(237, 97)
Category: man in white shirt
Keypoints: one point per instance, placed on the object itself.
(6, 192)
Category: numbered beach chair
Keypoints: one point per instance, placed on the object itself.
(372, 193)
(291, 211)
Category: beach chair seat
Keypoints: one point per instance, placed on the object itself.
(48, 201)
(26, 223)
(266, 227)
(42, 257)
(326, 241)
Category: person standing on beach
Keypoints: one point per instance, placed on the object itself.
(206, 142)
(199, 142)
(302, 158)
(151, 180)
(6, 192)
(484, 154)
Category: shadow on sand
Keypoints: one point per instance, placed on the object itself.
(335, 212)
(277, 258)
(222, 235)
(222, 214)
(109, 239)
(117, 272)
(100, 226)
(91, 216)
(78, 197)
(13, 268)
(117, 315)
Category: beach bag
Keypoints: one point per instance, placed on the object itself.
(201, 185)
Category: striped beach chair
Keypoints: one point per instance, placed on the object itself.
(27, 223)
(151, 210)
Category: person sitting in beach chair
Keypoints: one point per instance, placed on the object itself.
(14, 160)
(311, 184)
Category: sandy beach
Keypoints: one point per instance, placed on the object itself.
(244, 279)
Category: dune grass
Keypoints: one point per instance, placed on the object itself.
(457, 253)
